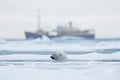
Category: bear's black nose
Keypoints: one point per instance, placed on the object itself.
(52, 57)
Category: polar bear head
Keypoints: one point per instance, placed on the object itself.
(59, 56)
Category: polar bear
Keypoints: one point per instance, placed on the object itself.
(59, 56)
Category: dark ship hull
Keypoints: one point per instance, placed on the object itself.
(31, 35)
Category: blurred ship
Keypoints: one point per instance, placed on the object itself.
(60, 31)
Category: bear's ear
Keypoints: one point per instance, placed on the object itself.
(60, 54)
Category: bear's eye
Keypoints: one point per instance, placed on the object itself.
(60, 54)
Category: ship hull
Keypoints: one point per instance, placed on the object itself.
(30, 35)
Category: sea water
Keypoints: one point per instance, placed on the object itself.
(97, 59)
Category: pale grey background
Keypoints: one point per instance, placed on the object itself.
(17, 16)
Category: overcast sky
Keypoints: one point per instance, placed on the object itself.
(17, 16)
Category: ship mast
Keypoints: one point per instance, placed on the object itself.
(38, 21)
(70, 24)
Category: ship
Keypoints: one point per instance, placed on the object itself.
(60, 31)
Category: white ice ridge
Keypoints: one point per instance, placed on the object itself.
(91, 56)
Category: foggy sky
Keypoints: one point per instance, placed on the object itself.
(17, 16)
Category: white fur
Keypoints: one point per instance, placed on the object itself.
(59, 56)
